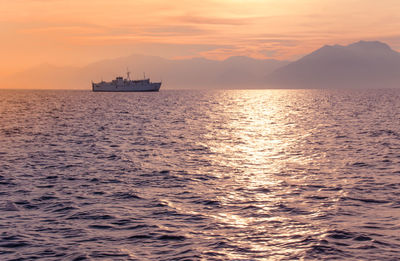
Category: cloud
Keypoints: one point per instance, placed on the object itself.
(68, 30)
(65, 30)
(204, 20)
(175, 30)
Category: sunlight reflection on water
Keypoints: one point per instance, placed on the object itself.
(214, 175)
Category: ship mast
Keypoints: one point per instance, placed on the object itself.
(128, 74)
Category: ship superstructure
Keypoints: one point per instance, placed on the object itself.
(119, 84)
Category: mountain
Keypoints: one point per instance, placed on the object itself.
(362, 64)
(234, 72)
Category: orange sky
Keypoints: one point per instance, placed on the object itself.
(77, 32)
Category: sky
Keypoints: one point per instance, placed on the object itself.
(78, 32)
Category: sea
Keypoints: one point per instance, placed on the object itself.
(200, 175)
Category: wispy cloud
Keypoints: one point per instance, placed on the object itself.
(204, 20)
(79, 31)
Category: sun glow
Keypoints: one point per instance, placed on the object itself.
(77, 32)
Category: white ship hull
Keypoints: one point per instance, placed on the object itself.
(123, 85)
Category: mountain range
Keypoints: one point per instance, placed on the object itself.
(362, 64)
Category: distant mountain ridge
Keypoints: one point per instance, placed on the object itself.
(195, 73)
(365, 64)
(362, 64)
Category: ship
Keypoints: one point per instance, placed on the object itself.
(119, 84)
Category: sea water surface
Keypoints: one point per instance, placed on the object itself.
(200, 175)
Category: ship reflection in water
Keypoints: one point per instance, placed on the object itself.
(213, 175)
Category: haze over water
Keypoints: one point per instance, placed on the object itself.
(190, 175)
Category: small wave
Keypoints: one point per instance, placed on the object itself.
(171, 237)
(367, 200)
(108, 254)
(14, 244)
(64, 209)
(379, 133)
(101, 226)
(10, 206)
(52, 177)
(126, 195)
(321, 251)
(141, 236)
(263, 190)
(339, 234)
(79, 257)
(90, 216)
(122, 222)
(363, 238)
(46, 197)
(208, 202)
(360, 164)
(141, 226)
(7, 183)
(317, 197)
(11, 131)
(366, 247)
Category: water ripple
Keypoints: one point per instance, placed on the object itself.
(200, 175)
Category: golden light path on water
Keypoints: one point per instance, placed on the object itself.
(256, 139)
